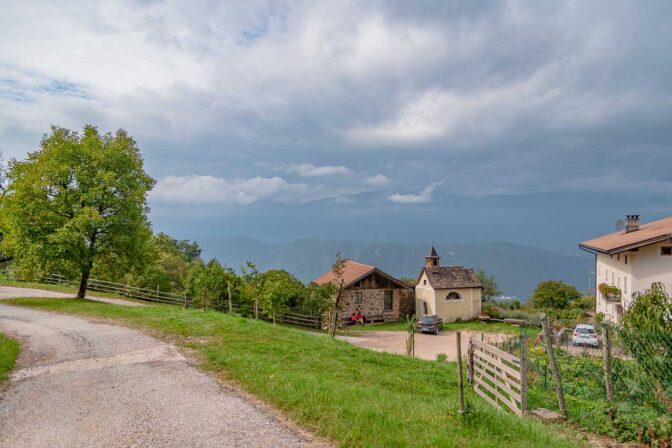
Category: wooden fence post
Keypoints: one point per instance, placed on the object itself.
(256, 308)
(157, 291)
(470, 361)
(524, 365)
(460, 384)
(606, 346)
(228, 287)
(548, 342)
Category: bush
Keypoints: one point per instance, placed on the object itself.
(554, 294)
(492, 310)
(584, 303)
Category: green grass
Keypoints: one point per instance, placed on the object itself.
(493, 327)
(9, 351)
(37, 285)
(353, 396)
(68, 289)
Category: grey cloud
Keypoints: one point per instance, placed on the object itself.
(490, 97)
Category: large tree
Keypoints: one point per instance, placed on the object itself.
(554, 294)
(278, 287)
(79, 200)
(490, 289)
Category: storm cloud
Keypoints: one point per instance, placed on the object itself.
(240, 103)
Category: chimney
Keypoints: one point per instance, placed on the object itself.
(432, 260)
(632, 223)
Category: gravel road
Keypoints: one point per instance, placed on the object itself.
(87, 384)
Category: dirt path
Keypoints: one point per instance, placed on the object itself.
(12, 292)
(427, 346)
(86, 384)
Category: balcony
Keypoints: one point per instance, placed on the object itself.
(611, 294)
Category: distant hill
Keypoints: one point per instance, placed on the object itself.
(518, 269)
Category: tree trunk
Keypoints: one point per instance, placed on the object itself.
(83, 283)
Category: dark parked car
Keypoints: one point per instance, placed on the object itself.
(430, 324)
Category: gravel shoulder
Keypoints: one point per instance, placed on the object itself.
(83, 383)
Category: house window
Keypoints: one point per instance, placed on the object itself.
(666, 251)
(452, 295)
(626, 259)
(625, 285)
(424, 282)
(425, 311)
(358, 297)
(387, 300)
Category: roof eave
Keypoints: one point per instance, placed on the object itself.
(627, 247)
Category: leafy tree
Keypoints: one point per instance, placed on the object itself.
(250, 286)
(337, 288)
(490, 289)
(554, 294)
(408, 280)
(278, 287)
(207, 282)
(314, 300)
(650, 310)
(189, 250)
(77, 201)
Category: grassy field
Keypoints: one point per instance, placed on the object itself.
(353, 396)
(494, 327)
(9, 351)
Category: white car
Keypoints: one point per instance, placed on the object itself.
(585, 336)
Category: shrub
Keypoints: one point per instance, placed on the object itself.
(492, 310)
(554, 294)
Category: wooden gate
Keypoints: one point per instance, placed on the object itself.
(497, 376)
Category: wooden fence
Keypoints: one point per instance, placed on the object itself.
(132, 292)
(497, 376)
(151, 295)
(304, 320)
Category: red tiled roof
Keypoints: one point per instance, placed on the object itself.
(352, 271)
(620, 241)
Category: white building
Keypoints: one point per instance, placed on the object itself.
(630, 261)
(451, 292)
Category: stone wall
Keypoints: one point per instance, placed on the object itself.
(373, 303)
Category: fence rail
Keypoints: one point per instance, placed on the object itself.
(150, 295)
(303, 320)
(132, 292)
(498, 377)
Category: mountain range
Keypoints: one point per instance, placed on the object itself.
(517, 268)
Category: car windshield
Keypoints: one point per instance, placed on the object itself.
(585, 331)
(426, 320)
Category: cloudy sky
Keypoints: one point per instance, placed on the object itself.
(245, 109)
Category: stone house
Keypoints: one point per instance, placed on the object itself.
(368, 290)
(451, 292)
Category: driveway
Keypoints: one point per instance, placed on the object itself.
(427, 346)
(88, 384)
